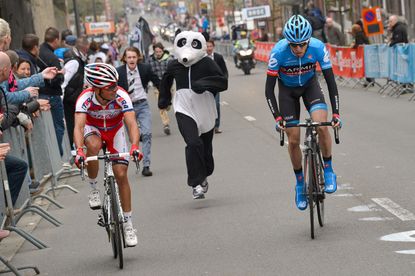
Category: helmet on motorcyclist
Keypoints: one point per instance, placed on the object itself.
(297, 29)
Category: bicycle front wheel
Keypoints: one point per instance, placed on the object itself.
(320, 191)
(309, 188)
(116, 222)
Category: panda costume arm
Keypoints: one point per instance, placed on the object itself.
(207, 76)
(165, 86)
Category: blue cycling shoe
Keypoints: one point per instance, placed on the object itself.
(330, 185)
(300, 197)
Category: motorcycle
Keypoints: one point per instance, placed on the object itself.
(245, 60)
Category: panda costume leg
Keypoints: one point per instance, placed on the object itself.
(199, 158)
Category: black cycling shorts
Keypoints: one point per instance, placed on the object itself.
(289, 99)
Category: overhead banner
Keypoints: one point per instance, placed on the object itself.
(97, 28)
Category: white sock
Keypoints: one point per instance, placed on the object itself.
(127, 217)
(93, 183)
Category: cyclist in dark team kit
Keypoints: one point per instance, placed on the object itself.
(293, 63)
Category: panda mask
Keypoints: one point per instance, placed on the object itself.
(189, 47)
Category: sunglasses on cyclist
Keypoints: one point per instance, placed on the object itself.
(301, 45)
(111, 87)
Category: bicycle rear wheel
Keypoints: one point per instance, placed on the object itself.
(309, 183)
(117, 224)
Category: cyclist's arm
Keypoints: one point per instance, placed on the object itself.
(131, 123)
(333, 93)
(78, 133)
(270, 95)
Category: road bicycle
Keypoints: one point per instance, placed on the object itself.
(111, 216)
(313, 168)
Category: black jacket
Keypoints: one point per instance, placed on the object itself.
(218, 58)
(46, 59)
(360, 39)
(76, 84)
(10, 112)
(399, 34)
(146, 75)
(23, 54)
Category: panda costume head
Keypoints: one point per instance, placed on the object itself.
(190, 47)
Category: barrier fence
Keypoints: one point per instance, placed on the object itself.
(40, 149)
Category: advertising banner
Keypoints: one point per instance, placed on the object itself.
(347, 62)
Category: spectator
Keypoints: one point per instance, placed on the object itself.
(16, 168)
(30, 51)
(74, 82)
(158, 61)
(360, 38)
(333, 33)
(317, 20)
(93, 49)
(23, 69)
(218, 58)
(67, 44)
(52, 90)
(134, 78)
(398, 29)
(5, 35)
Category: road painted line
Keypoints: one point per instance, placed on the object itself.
(364, 208)
(250, 118)
(400, 237)
(410, 252)
(345, 186)
(347, 195)
(394, 209)
(224, 103)
(375, 219)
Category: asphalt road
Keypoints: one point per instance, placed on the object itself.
(248, 224)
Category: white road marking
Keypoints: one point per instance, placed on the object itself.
(250, 118)
(375, 219)
(379, 167)
(394, 209)
(345, 186)
(347, 195)
(224, 103)
(400, 237)
(411, 252)
(363, 208)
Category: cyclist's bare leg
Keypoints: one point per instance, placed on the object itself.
(120, 172)
(93, 144)
(294, 147)
(323, 132)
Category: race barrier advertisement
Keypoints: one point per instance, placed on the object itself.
(376, 61)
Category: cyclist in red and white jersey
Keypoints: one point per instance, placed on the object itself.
(100, 114)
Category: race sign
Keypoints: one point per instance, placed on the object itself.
(372, 21)
(97, 28)
(256, 12)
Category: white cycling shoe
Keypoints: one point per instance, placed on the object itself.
(130, 237)
(94, 199)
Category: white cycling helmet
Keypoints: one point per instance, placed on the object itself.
(100, 75)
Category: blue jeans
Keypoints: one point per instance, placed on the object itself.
(217, 99)
(16, 169)
(56, 107)
(143, 115)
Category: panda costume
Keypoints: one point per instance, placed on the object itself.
(198, 79)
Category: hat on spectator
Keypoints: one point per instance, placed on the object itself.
(70, 40)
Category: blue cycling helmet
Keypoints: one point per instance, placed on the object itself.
(297, 29)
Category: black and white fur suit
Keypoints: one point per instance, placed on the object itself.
(198, 79)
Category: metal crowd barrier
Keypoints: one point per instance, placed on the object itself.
(42, 150)
(52, 163)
